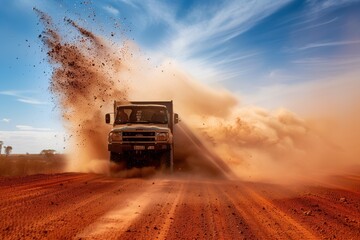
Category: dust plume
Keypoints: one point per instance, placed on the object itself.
(280, 145)
(260, 144)
(217, 135)
(90, 73)
(84, 80)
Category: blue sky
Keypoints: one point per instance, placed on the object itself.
(244, 46)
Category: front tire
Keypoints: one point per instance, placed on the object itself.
(117, 163)
(167, 161)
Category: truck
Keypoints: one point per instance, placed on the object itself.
(142, 135)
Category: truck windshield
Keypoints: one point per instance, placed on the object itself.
(141, 114)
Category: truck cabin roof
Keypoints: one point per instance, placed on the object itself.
(140, 105)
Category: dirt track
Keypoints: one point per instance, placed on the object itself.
(88, 206)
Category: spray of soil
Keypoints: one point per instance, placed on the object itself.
(89, 73)
(84, 79)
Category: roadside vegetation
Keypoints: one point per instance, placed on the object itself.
(29, 164)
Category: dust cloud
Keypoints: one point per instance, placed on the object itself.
(84, 81)
(256, 143)
(217, 135)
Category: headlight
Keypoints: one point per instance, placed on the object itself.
(115, 137)
(162, 136)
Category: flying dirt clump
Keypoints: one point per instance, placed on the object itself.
(83, 81)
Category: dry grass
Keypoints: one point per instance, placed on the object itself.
(21, 165)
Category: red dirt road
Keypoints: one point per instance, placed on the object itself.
(88, 206)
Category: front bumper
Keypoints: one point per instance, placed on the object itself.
(145, 147)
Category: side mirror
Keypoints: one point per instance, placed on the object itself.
(107, 118)
(176, 118)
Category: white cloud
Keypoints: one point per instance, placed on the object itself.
(29, 4)
(215, 27)
(327, 4)
(14, 93)
(129, 2)
(32, 101)
(6, 120)
(205, 31)
(315, 25)
(207, 27)
(111, 10)
(20, 95)
(329, 65)
(328, 44)
(31, 128)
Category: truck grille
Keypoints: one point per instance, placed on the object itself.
(138, 137)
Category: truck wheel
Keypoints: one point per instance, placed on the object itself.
(129, 164)
(116, 163)
(167, 162)
(114, 157)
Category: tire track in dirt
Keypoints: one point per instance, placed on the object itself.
(130, 215)
(265, 219)
(65, 204)
(204, 213)
(332, 214)
(16, 196)
(154, 222)
(89, 206)
(171, 214)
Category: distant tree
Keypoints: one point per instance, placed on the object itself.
(1, 144)
(48, 152)
(8, 150)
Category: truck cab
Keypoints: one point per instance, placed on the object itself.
(142, 134)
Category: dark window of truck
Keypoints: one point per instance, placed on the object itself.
(141, 114)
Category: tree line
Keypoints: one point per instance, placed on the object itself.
(7, 149)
